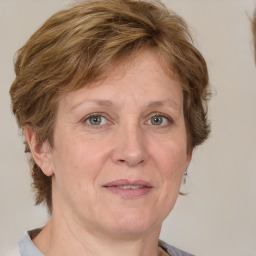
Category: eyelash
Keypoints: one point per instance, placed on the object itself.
(93, 115)
(165, 116)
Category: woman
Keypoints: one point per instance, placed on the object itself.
(111, 96)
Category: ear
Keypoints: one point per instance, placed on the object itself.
(41, 151)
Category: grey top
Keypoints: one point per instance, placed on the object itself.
(27, 247)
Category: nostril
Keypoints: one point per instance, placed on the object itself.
(130, 163)
(141, 162)
(129, 156)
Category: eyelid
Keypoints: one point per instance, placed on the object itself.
(168, 117)
(95, 114)
(106, 116)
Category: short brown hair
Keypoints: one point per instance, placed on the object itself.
(78, 45)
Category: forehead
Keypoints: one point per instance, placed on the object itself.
(142, 74)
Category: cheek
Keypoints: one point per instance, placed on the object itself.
(76, 170)
(78, 161)
(172, 158)
(171, 165)
(171, 161)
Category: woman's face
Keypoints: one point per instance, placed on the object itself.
(120, 150)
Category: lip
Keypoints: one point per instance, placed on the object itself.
(114, 187)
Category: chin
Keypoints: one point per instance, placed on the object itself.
(133, 222)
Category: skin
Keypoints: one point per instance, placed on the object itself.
(137, 132)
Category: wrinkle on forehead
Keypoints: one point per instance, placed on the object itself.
(129, 67)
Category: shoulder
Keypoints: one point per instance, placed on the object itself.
(26, 246)
(173, 251)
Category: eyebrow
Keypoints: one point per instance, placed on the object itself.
(103, 103)
(164, 102)
(107, 103)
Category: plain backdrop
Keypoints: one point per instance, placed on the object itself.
(218, 217)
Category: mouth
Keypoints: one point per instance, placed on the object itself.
(129, 189)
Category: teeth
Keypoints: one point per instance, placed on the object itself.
(129, 187)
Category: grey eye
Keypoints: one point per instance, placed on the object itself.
(156, 120)
(96, 120)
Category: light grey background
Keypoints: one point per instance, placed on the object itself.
(218, 217)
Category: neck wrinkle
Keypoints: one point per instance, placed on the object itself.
(56, 239)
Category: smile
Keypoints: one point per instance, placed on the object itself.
(129, 189)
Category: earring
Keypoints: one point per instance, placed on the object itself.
(184, 179)
(185, 184)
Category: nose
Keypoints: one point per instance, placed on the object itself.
(131, 147)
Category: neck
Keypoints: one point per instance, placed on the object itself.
(59, 237)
